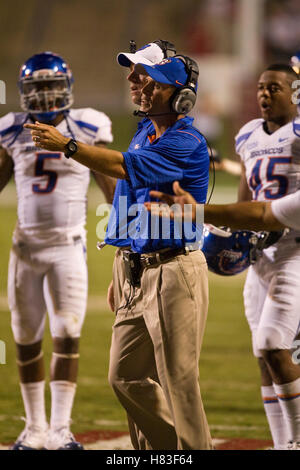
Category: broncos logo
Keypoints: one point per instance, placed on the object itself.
(164, 62)
(232, 262)
(228, 253)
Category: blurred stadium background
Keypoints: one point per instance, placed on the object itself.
(232, 40)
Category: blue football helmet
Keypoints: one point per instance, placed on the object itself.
(228, 253)
(295, 62)
(45, 85)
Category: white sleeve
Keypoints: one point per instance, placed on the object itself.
(101, 122)
(287, 210)
(6, 129)
(244, 134)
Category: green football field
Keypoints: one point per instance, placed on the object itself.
(228, 373)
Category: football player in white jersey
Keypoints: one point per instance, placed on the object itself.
(233, 167)
(47, 268)
(269, 151)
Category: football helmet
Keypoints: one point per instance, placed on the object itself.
(228, 253)
(295, 62)
(45, 85)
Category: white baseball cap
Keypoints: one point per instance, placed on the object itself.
(148, 55)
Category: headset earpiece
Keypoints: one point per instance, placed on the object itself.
(184, 99)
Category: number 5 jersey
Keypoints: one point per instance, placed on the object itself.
(51, 189)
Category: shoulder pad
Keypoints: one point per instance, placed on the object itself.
(89, 119)
(6, 122)
(11, 125)
(245, 132)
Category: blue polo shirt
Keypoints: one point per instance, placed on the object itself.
(179, 154)
(124, 196)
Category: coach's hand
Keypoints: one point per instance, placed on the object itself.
(47, 137)
(181, 198)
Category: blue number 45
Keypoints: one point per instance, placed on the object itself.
(40, 171)
(255, 180)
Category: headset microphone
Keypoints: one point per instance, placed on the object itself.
(139, 113)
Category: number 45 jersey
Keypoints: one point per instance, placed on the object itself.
(272, 161)
(51, 189)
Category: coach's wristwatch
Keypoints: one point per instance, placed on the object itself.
(70, 148)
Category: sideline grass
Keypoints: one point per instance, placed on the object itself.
(228, 373)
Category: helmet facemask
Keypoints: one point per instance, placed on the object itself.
(46, 92)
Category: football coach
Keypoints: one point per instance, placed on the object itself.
(160, 319)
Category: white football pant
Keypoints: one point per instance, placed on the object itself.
(52, 279)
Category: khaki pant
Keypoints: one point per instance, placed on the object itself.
(155, 350)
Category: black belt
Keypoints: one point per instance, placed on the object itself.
(162, 256)
(135, 263)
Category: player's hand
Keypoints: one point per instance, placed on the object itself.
(47, 137)
(181, 198)
(110, 296)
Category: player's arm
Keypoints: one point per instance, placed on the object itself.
(242, 215)
(6, 168)
(107, 184)
(231, 167)
(99, 159)
(224, 164)
(244, 193)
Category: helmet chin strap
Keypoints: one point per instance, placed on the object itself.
(46, 117)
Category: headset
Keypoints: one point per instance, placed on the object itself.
(184, 99)
(167, 47)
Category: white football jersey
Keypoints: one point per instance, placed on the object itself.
(272, 163)
(51, 189)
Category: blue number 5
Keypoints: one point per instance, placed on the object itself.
(40, 171)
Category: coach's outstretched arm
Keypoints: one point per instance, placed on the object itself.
(247, 215)
(100, 159)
